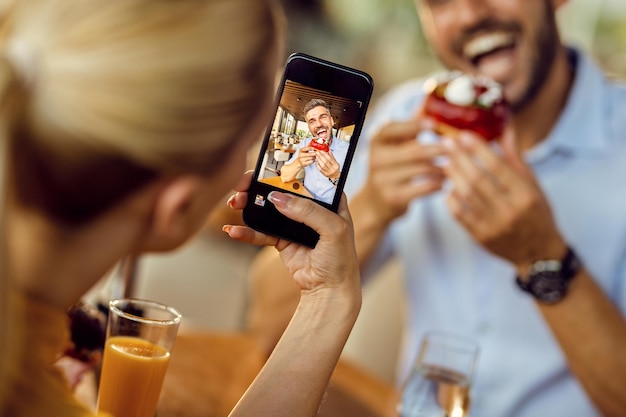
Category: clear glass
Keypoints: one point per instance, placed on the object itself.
(439, 384)
(140, 337)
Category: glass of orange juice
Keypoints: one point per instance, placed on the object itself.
(140, 337)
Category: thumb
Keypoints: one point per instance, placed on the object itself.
(512, 152)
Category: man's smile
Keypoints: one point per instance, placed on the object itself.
(491, 48)
(322, 132)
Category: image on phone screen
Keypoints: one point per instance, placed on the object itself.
(308, 147)
(309, 142)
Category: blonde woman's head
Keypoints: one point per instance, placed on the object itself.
(100, 97)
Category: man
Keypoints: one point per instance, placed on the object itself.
(321, 167)
(552, 344)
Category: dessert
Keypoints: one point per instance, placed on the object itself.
(459, 101)
(87, 329)
(319, 144)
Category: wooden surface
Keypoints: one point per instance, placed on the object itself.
(295, 186)
(290, 148)
(208, 373)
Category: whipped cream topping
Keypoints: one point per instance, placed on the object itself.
(465, 89)
(460, 91)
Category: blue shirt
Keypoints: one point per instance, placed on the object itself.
(453, 284)
(314, 181)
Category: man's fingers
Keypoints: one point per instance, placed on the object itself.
(513, 154)
(401, 131)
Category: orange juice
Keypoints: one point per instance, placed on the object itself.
(132, 375)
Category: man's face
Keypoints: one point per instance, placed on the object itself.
(512, 41)
(320, 123)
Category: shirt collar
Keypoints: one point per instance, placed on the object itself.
(581, 128)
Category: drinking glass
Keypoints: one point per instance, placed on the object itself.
(439, 383)
(140, 337)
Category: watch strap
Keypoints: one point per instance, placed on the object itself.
(559, 272)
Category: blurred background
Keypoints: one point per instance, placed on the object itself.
(383, 38)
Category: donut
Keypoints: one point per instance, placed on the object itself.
(319, 144)
(459, 101)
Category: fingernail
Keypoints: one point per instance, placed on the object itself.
(229, 203)
(448, 143)
(279, 199)
(442, 162)
(226, 228)
(428, 123)
(466, 138)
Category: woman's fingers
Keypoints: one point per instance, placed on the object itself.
(244, 182)
(303, 210)
(248, 235)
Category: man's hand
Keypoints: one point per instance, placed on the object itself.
(498, 200)
(306, 156)
(327, 164)
(401, 169)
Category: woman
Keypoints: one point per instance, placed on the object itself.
(124, 122)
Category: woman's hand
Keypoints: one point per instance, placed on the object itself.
(332, 264)
(330, 299)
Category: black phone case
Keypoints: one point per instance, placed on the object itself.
(349, 91)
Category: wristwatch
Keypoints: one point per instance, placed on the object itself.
(548, 279)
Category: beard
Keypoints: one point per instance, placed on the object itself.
(546, 47)
(544, 50)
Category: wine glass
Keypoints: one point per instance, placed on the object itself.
(440, 380)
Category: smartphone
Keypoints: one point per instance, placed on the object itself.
(308, 146)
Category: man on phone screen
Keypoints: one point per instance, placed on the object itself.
(521, 243)
(320, 156)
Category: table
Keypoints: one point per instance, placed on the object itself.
(289, 148)
(295, 186)
(209, 372)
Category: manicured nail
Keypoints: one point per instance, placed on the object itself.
(230, 201)
(279, 199)
(226, 228)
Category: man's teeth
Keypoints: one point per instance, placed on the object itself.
(487, 43)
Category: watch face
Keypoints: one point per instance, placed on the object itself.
(548, 286)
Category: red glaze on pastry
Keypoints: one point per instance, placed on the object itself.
(460, 101)
(319, 144)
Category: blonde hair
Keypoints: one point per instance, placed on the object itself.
(99, 97)
(140, 85)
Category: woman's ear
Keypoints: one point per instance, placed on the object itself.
(177, 213)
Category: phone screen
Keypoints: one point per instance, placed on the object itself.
(309, 145)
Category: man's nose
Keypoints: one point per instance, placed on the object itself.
(471, 12)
